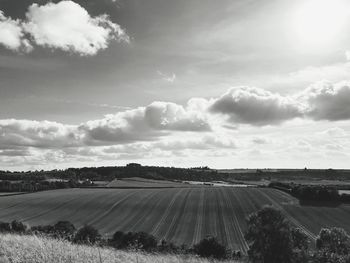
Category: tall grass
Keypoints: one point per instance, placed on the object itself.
(34, 249)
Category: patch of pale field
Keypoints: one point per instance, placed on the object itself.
(34, 249)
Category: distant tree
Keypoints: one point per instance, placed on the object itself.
(87, 235)
(269, 237)
(210, 247)
(18, 227)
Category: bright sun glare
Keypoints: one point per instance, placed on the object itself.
(319, 23)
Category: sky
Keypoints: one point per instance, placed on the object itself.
(187, 83)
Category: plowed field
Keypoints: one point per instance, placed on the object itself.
(180, 215)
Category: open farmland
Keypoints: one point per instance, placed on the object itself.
(138, 182)
(181, 215)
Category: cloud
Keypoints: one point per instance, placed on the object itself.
(255, 106)
(15, 152)
(162, 128)
(259, 140)
(347, 55)
(171, 116)
(166, 77)
(41, 134)
(12, 35)
(333, 132)
(209, 141)
(327, 101)
(64, 25)
(144, 123)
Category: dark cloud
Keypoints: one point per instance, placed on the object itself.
(326, 101)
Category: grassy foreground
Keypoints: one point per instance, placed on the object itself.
(34, 249)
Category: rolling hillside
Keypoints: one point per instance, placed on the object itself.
(180, 215)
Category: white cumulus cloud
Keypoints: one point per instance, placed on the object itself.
(64, 25)
(12, 35)
(144, 123)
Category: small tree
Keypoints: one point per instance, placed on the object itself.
(269, 237)
(87, 235)
(210, 247)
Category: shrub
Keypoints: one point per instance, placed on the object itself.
(146, 241)
(139, 240)
(333, 241)
(168, 247)
(210, 247)
(117, 239)
(48, 229)
(5, 227)
(18, 227)
(87, 235)
(64, 229)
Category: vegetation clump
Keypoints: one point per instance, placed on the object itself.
(271, 237)
(139, 240)
(87, 235)
(210, 247)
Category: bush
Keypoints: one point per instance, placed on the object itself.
(210, 247)
(326, 257)
(48, 229)
(5, 227)
(64, 229)
(87, 235)
(168, 247)
(139, 240)
(333, 241)
(18, 227)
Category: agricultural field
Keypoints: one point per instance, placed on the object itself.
(181, 215)
(138, 182)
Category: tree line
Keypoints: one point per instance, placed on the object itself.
(204, 174)
(312, 193)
